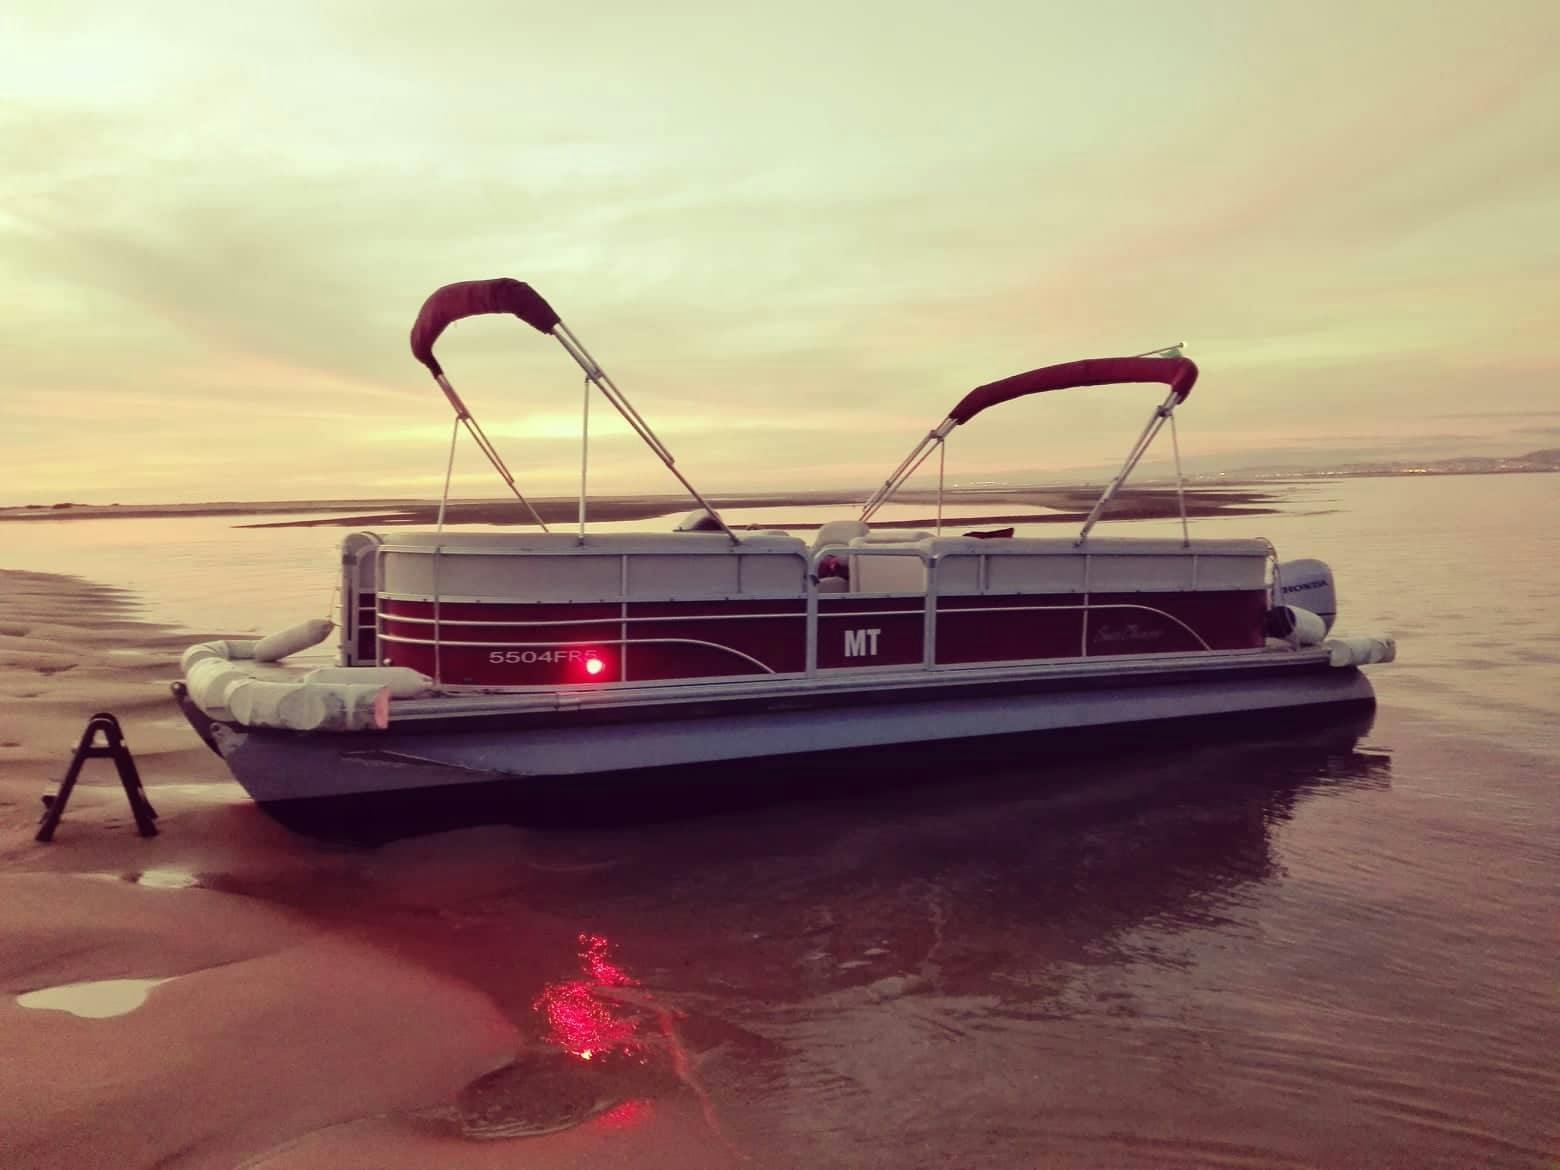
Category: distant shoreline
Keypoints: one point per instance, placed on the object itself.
(1244, 495)
(1056, 505)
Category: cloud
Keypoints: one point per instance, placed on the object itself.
(794, 241)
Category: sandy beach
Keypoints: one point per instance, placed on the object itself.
(290, 1030)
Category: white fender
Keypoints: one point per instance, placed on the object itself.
(279, 645)
(402, 681)
(1298, 627)
(1361, 651)
(270, 648)
(302, 707)
(330, 698)
(208, 679)
(232, 650)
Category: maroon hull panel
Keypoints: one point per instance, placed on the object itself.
(1035, 627)
(1118, 623)
(1225, 620)
(598, 642)
(639, 642)
(871, 631)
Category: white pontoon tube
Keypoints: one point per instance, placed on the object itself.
(1166, 366)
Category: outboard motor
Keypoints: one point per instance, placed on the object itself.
(1306, 584)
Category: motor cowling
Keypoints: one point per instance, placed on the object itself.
(1306, 584)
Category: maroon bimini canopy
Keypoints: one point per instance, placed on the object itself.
(1176, 372)
(470, 298)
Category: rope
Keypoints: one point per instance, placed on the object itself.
(942, 466)
(1155, 422)
(449, 470)
(487, 448)
(1180, 486)
(438, 624)
(584, 452)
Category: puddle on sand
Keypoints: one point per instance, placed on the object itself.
(220, 792)
(92, 1001)
(164, 879)
(156, 879)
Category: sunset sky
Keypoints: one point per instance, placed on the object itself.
(795, 234)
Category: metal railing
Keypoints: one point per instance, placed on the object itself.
(813, 615)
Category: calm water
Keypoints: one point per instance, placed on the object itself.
(1331, 949)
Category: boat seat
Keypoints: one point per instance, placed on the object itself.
(885, 572)
(839, 532)
(893, 536)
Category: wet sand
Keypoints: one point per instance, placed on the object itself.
(279, 1037)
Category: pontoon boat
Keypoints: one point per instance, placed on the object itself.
(524, 661)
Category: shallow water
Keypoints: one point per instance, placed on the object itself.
(1326, 948)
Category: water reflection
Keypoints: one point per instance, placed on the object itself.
(879, 975)
(1061, 854)
(891, 971)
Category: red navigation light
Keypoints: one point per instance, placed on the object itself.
(594, 665)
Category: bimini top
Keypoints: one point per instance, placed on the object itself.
(1166, 366)
(1178, 373)
(471, 298)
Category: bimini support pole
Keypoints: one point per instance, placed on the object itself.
(594, 373)
(505, 295)
(449, 473)
(1166, 410)
(1162, 413)
(483, 444)
(1159, 365)
(1180, 485)
(909, 466)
